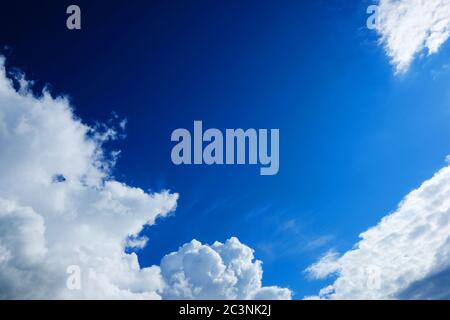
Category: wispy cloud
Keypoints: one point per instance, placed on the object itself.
(406, 255)
(409, 27)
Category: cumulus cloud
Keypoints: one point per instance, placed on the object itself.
(410, 27)
(220, 271)
(407, 255)
(61, 207)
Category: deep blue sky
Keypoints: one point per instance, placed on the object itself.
(355, 138)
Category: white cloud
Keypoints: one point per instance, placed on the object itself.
(220, 271)
(408, 27)
(407, 255)
(59, 206)
(83, 217)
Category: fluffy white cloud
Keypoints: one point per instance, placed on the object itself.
(408, 27)
(407, 255)
(220, 271)
(60, 207)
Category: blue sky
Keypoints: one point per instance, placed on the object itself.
(354, 136)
